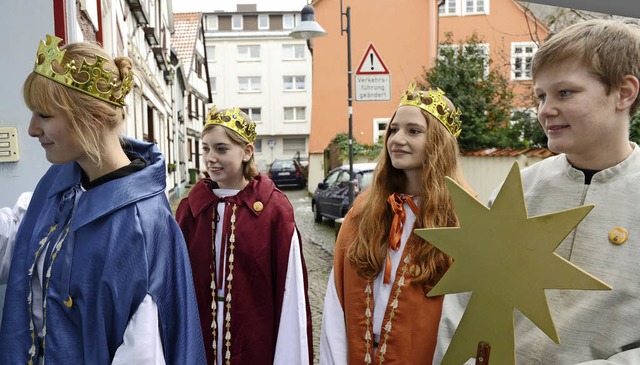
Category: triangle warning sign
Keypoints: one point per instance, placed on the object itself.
(371, 63)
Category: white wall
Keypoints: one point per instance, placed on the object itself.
(485, 174)
(23, 28)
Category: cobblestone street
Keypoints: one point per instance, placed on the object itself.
(318, 241)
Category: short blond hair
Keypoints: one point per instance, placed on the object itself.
(249, 168)
(88, 115)
(610, 48)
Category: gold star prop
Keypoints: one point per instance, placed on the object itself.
(506, 259)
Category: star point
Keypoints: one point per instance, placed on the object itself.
(506, 260)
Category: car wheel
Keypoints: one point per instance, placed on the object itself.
(317, 217)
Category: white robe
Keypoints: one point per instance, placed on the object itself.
(292, 342)
(333, 339)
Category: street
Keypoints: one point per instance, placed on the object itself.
(318, 241)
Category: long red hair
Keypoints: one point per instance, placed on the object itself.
(368, 251)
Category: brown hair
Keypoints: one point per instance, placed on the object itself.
(249, 168)
(609, 47)
(88, 115)
(367, 253)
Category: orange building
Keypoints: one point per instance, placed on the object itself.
(404, 34)
(510, 33)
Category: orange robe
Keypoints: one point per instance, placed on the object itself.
(414, 326)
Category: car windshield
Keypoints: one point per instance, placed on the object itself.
(282, 164)
(365, 179)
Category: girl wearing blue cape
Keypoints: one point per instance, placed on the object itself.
(100, 273)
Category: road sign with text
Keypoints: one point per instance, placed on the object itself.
(373, 80)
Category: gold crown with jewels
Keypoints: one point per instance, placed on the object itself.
(232, 119)
(433, 102)
(89, 78)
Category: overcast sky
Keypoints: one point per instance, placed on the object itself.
(183, 6)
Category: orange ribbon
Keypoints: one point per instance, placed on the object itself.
(395, 233)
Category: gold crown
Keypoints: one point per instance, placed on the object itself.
(232, 119)
(433, 102)
(89, 78)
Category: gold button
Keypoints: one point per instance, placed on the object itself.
(69, 302)
(618, 235)
(257, 206)
(414, 270)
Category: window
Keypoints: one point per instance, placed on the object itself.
(293, 51)
(293, 82)
(476, 7)
(211, 53)
(199, 67)
(248, 52)
(480, 51)
(254, 113)
(379, 127)
(521, 55)
(295, 114)
(446, 51)
(332, 178)
(249, 83)
(291, 146)
(263, 21)
(257, 145)
(236, 22)
(287, 21)
(212, 22)
(212, 84)
(449, 7)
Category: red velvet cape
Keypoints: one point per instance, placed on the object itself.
(263, 242)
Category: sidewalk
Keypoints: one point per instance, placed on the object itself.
(175, 202)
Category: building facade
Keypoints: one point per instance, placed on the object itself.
(405, 39)
(188, 42)
(140, 29)
(255, 65)
(509, 32)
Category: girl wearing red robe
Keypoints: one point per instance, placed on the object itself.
(246, 254)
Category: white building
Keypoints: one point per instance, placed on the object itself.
(256, 66)
(140, 29)
(188, 43)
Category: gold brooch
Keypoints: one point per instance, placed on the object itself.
(257, 206)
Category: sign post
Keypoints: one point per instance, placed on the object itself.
(373, 80)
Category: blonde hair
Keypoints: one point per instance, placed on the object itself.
(249, 168)
(610, 48)
(88, 115)
(367, 254)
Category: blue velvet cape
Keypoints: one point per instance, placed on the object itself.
(123, 243)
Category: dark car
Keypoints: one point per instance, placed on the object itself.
(287, 173)
(331, 198)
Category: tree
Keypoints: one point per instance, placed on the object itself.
(484, 95)
(634, 132)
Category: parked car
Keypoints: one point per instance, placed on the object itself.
(331, 198)
(287, 173)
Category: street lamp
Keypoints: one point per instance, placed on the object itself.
(308, 27)
(347, 30)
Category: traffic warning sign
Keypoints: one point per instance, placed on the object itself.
(373, 79)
